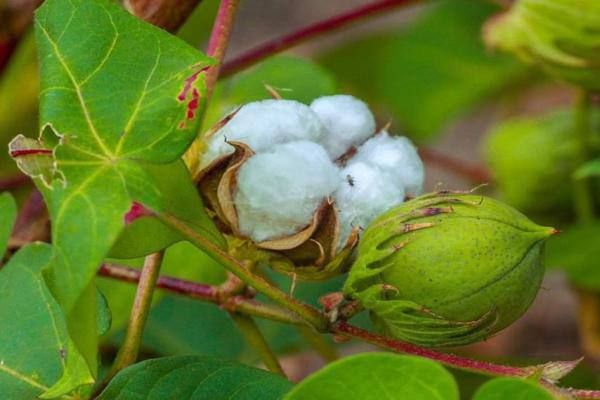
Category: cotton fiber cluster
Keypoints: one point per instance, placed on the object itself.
(297, 165)
(262, 124)
(349, 122)
(279, 190)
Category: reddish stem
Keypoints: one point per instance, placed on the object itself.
(260, 52)
(6, 49)
(13, 182)
(482, 367)
(197, 290)
(212, 294)
(475, 173)
(219, 40)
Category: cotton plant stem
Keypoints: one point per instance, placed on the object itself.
(128, 352)
(342, 328)
(589, 322)
(239, 269)
(328, 25)
(205, 293)
(319, 344)
(582, 188)
(257, 342)
(219, 40)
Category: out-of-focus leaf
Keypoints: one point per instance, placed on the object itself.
(33, 333)
(591, 168)
(292, 77)
(19, 88)
(187, 378)
(430, 72)
(119, 94)
(511, 388)
(8, 214)
(196, 29)
(577, 251)
(375, 376)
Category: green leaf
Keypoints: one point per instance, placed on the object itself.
(33, 335)
(577, 251)
(511, 388)
(117, 94)
(8, 214)
(430, 72)
(292, 77)
(378, 376)
(147, 235)
(194, 377)
(589, 169)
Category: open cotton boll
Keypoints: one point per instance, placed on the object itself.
(348, 120)
(278, 191)
(364, 193)
(395, 155)
(262, 124)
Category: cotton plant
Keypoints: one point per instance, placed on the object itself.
(298, 183)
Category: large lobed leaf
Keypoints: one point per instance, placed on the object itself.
(378, 376)
(34, 343)
(194, 378)
(117, 95)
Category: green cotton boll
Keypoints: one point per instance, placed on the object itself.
(532, 161)
(448, 269)
(562, 36)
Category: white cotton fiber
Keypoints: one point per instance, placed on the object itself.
(280, 189)
(395, 155)
(364, 193)
(262, 124)
(348, 120)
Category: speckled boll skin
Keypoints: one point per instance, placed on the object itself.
(448, 269)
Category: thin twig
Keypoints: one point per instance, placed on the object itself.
(276, 45)
(319, 343)
(219, 40)
(482, 367)
(14, 182)
(206, 293)
(128, 352)
(258, 309)
(257, 342)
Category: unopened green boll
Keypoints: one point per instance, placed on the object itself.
(561, 36)
(448, 269)
(532, 161)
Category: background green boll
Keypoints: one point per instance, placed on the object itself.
(532, 161)
(448, 269)
(562, 36)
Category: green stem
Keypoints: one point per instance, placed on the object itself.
(318, 343)
(582, 189)
(305, 311)
(128, 352)
(257, 342)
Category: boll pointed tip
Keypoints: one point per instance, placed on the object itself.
(553, 231)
